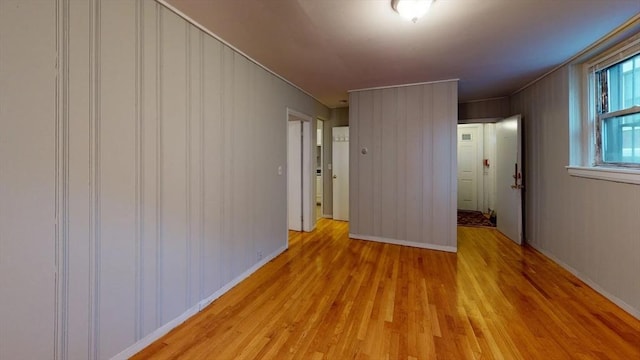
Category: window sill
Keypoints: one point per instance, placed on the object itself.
(621, 175)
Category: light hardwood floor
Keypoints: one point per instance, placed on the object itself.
(329, 297)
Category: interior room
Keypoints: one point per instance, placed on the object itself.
(281, 179)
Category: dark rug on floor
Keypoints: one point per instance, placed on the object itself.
(473, 218)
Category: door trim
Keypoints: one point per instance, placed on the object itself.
(308, 188)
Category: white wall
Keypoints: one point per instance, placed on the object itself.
(157, 149)
(589, 226)
(404, 189)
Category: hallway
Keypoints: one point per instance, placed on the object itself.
(329, 297)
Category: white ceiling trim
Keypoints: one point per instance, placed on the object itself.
(629, 27)
(402, 85)
(207, 31)
(483, 100)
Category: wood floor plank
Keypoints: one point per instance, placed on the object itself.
(331, 297)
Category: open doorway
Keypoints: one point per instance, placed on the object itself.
(476, 173)
(300, 172)
(340, 172)
(318, 170)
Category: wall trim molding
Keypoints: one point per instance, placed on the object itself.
(629, 27)
(592, 284)
(213, 35)
(445, 248)
(404, 85)
(211, 298)
(163, 330)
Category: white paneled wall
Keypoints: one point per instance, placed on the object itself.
(156, 147)
(403, 190)
(28, 129)
(589, 226)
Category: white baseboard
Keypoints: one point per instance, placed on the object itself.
(211, 298)
(614, 299)
(156, 334)
(163, 330)
(405, 243)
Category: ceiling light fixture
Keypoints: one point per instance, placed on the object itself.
(411, 9)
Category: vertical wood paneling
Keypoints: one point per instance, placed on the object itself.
(149, 172)
(28, 179)
(265, 171)
(364, 139)
(355, 100)
(117, 177)
(413, 145)
(228, 184)
(165, 173)
(402, 170)
(242, 158)
(389, 167)
(452, 113)
(376, 157)
(174, 165)
(441, 163)
(404, 187)
(588, 225)
(195, 157)
(214, 164)
(428, 155)
(78, 141)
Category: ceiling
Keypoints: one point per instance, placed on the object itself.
(327, 47)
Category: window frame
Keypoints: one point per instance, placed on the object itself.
(598, 119)
(585, 125)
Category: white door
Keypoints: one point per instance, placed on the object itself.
(469, 165)
(294, 175)
(509, 177)
(340, 154)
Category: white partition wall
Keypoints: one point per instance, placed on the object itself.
(403, 165)
(138, 175)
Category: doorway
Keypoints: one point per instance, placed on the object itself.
(340, 177)
(319, 169)
(300, 171)
(470, 175)
(477, 166)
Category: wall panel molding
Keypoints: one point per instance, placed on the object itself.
(159, 166)
(94, 181)
(188, 155)
(139, 165)
(62, 181)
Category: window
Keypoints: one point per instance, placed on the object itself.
(617, 128)
(604, 112)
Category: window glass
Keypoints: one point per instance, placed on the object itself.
(618, 95)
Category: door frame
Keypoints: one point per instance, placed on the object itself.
(308, 184)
